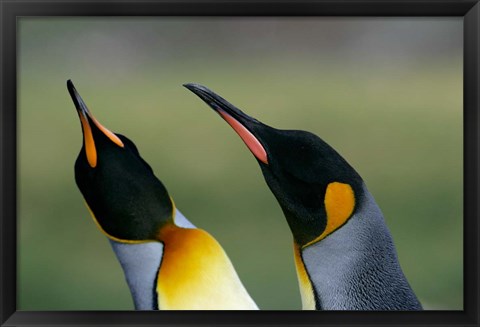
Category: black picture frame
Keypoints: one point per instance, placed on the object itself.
(11, 10)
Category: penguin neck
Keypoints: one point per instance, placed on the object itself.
(185, 269)
(356, 267)
(140, 263)
(196, 274)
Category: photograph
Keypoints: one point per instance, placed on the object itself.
(240, 163)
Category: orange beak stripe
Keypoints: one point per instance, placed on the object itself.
(89, 143)
(90, 148)
(247, 137)
(114, 138)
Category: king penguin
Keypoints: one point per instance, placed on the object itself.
(169, 264)
(343, 251)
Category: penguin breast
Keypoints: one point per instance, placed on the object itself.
(196, 274)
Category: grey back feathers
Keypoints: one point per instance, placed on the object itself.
(356, 267)
(140, 263)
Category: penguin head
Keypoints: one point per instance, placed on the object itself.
(127, 201)
(316, 188)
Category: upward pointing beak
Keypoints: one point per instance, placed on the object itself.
(77, 99)
(87, 119)
(238, 120)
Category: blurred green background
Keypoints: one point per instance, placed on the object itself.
(385, 92)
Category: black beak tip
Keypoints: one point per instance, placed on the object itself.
(70, 86)
(203, 93)
(71, 89)
(77, 100)
(194, 87)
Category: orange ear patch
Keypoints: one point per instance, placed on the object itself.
(339, 205)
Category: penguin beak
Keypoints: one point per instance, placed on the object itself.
(241, 123)
(88, 120)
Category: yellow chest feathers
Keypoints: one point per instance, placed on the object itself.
(196, 274)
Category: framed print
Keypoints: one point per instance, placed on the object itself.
(390, 86)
